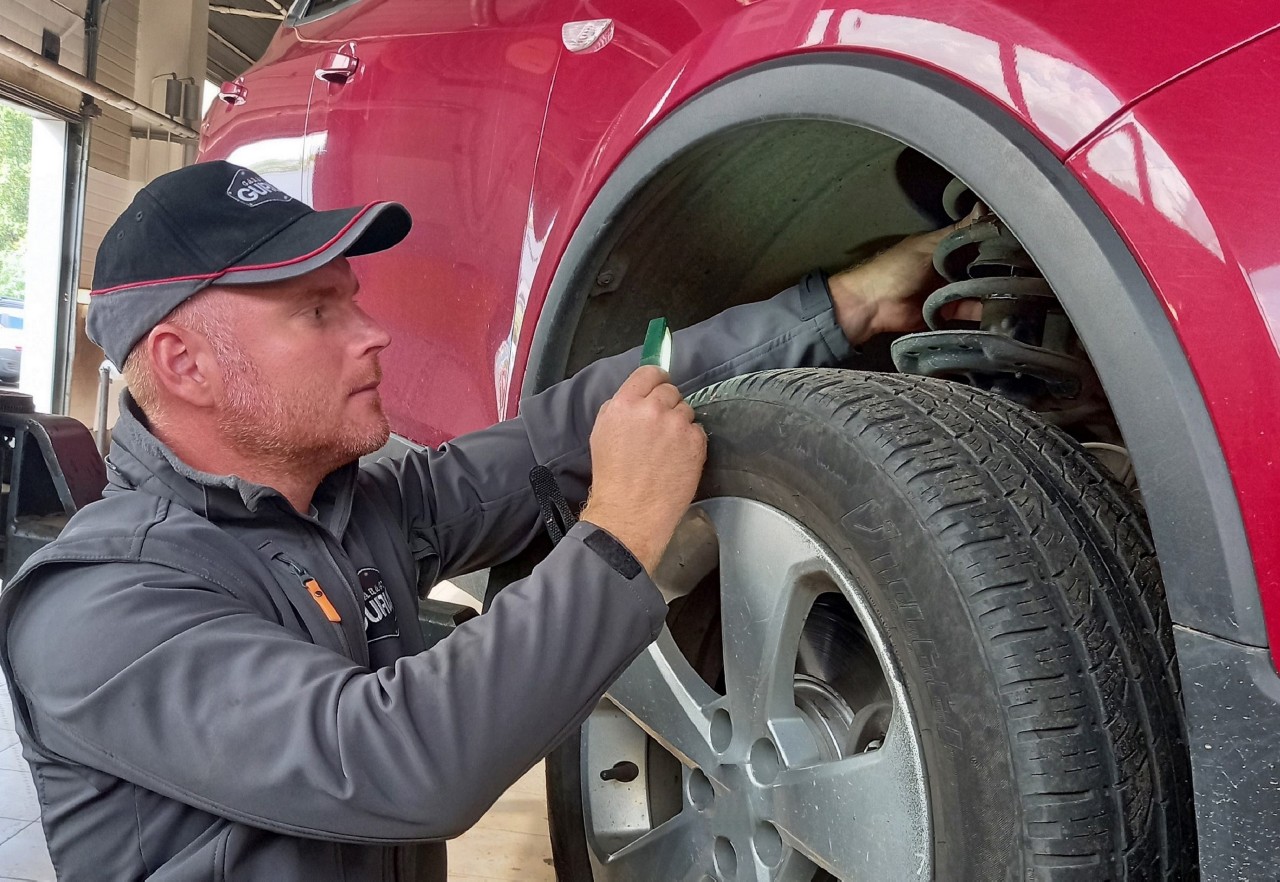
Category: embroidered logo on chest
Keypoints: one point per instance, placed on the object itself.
(379, 616)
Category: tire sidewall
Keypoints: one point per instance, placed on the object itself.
(809, 470)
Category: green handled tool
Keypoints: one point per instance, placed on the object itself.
(657, 345)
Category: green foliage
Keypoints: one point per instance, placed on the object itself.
(15, 191)
(12, 275)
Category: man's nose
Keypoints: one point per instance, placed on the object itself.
(373, 336)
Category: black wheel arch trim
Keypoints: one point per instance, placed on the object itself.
(1231, 694)
(1195, 517)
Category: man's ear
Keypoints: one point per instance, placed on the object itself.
(184, 365)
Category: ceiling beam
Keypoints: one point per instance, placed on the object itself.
(232, 46)
(50, 70)
(247, 13)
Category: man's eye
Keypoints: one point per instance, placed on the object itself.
(318, 312)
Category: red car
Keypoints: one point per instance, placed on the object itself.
(919, 625)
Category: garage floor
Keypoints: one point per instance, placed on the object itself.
(510, 842)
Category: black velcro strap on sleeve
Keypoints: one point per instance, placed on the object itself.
(556, 515)
(815, 294)
(614, 553)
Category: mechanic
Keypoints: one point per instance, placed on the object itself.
(216, 669)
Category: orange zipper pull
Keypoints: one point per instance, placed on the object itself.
(322, 601)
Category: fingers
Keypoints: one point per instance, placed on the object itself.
(642, 381)
(666, 395)
(963, 310)
(979, 209)
(930, 240)
(653, 383)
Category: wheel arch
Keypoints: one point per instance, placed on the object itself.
(1194, 514)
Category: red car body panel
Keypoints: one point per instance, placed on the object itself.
(1050, 65)
(1208, 244)
(450, 99)
(497, 139)
(265, 129)
(443, 113)
(464, 141)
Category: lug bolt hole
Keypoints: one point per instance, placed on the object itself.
(768, 844)
(721, 730)
(764, 762)
(726, 859)
(701, 794)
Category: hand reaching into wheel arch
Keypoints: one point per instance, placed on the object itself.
(886, 293)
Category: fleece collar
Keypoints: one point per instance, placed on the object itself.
(139, 461)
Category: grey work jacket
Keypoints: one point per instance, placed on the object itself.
(190, 712)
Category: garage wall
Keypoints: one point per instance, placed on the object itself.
(105, 198)
(138, 47)
(117, 49)
(24, 21)
(108, 190)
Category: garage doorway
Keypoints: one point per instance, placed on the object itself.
(33, 175)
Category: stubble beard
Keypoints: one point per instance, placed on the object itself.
(287, 429)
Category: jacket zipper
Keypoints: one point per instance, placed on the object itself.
(321, 599)
(351, 585)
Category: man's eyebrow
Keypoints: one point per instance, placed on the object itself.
(326, 292)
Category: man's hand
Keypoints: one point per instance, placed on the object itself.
(646, 459)
(887, 293)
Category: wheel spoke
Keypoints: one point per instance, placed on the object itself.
(667, 698)
(766, 590)
(862, 817)
(677, 849)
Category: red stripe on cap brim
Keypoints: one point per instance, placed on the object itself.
(253, 268)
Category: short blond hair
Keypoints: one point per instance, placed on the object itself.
(201, 313)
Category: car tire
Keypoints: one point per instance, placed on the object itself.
(1004, 585)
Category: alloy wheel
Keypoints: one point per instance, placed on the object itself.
(805, 763)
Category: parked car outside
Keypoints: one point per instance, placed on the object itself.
(997, 601)
(10, 344)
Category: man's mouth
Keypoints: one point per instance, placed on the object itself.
(372, 384)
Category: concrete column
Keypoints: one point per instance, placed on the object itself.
(173, 37)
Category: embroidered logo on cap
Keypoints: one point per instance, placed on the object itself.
(252, 190)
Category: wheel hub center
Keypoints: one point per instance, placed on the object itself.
(738, 819)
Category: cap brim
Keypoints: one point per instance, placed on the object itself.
(317, 238)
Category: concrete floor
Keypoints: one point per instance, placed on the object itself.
(509, 843)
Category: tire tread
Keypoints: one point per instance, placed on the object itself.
(1060, 575)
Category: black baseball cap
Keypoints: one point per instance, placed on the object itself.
(215, 222)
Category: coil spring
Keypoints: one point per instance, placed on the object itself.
(1023, 347)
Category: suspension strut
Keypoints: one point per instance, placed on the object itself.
(1023, 347)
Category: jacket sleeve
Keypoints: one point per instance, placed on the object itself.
(183, 689)
(469, 503)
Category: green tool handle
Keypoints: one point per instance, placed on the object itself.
(657, 345)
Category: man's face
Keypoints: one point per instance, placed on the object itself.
(300, 370)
